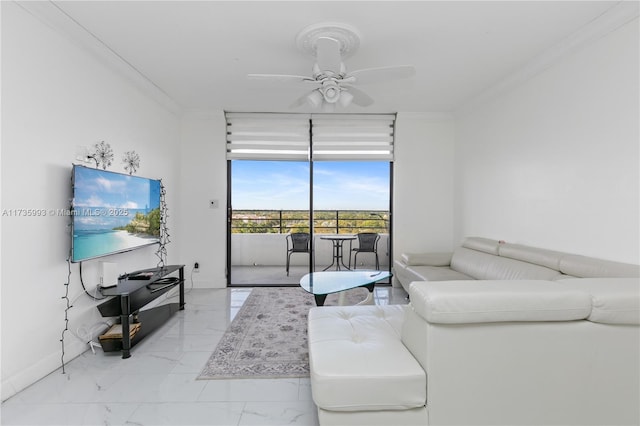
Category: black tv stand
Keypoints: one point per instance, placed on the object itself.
(134, 292)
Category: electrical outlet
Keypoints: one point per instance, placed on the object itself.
(196, 267)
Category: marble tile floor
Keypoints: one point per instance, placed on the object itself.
(158, 385)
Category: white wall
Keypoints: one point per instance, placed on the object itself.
(55, 97)
(423, 183)
(204, 177)
(554, 162)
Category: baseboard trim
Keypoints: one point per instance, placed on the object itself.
(51, 364)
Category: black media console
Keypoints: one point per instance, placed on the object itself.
(134, 291)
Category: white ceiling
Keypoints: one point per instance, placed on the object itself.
(199, 53)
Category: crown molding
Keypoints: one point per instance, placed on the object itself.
(615, 17)
(55, 18)
(428, 117)
(203, 114)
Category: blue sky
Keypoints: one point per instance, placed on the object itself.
(284, 185)
(99, 188)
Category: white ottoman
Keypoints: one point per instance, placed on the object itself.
(359, 366)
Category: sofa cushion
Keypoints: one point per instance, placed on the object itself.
(503, 268)
(470, 262)
(588, 267)
(437, 273)
(358, 361)
(428, 259)
(613, 300)
(457, 302)
(485, 245)
(483, 266)
(538, 256)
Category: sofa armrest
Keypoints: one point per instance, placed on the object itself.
(426, 259)
(464, 302)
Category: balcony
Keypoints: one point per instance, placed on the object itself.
(258, 242)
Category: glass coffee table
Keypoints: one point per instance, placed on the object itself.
(321, 284)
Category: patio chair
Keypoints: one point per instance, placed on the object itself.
(297, 242)
(367, 243)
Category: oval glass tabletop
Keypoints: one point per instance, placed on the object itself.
(327, 282)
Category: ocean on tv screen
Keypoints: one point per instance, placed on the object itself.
(113, 212)
(90, 244)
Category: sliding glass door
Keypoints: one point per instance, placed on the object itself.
(351, 198)
(270, 201)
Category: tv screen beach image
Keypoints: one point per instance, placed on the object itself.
(113, 212)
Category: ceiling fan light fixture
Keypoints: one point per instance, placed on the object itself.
(345, 99)
(327, 107)
(315, 98)
(331, 91)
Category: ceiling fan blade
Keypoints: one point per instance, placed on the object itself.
(328, 55)
(281, 78)
(359, 97)
(377, 75)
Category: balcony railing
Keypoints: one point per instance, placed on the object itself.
(324, 221)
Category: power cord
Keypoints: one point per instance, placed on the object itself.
(171, 293)
(85, 335)
(69, 305)
(94, 297)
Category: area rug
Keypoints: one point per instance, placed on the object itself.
(268, 336)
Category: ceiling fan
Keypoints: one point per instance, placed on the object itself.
(332, 84)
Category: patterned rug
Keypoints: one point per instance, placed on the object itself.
(268, 336)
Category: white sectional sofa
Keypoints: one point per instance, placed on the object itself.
(552, 351)
(486, 259)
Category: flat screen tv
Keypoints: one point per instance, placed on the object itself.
(112, 213)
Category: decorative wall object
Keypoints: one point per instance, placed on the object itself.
(103, 155)
(131, 161)
(161, 253)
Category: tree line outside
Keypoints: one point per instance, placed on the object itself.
(324, 221)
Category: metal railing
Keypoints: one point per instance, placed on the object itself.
(324, 221)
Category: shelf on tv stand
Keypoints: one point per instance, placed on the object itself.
(130, 295)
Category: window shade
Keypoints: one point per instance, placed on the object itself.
(267, 136)
(289, 136)
(352, 137)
